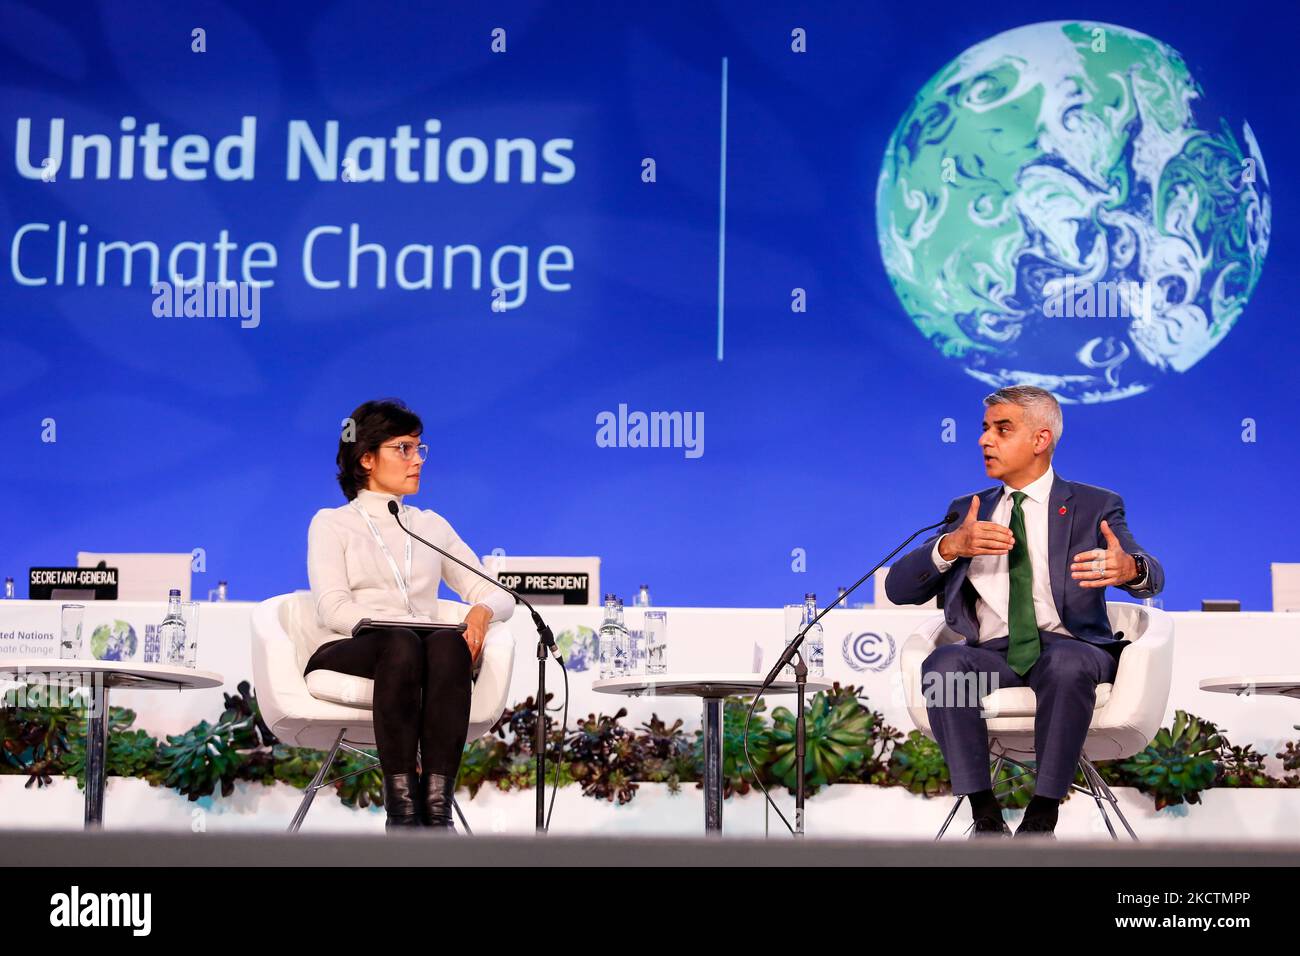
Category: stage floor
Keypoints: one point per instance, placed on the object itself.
(35, 848)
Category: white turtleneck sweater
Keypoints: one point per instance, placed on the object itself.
(351, 579)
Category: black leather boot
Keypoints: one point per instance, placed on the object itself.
(436, 791)
(401, 800)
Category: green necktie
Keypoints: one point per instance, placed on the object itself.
(1023, 626)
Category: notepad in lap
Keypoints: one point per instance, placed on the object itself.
(419, 627)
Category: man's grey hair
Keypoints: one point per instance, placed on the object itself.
(1042, 410)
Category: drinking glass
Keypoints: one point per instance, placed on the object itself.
(190, 615)
(71, 618)
(656, 642)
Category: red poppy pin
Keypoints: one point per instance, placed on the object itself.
(1062, 509)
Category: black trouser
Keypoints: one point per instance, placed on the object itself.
(422, 693)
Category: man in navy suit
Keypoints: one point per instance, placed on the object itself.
(1002, 567)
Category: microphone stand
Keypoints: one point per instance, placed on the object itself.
(539, 742)
(800, 744)
(792, 651)
(545, 643)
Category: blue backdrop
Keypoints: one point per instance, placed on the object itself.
(823, 428)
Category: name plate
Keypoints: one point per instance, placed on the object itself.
(548, 579)
(549, 588)
(89, 584)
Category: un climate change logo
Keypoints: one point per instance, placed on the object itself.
(868, 651)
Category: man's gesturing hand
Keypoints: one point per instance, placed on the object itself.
(1102, 567)
(976, 537)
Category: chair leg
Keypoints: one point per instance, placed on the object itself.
(463, 822)
(1096, 788)
(316, 784)
(952, 813)
(1100, 784)
(1114, 805)
(1024, 769)
(1095, 793)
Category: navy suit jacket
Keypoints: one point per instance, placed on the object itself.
(915, 579)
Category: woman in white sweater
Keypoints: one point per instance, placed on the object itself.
(361, 564)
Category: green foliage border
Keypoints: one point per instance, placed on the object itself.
(847, 742)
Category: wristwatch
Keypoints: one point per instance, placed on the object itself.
(1141, 575)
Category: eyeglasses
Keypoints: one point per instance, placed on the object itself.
(406, 450)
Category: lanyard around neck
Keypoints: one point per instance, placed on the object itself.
(402, 583)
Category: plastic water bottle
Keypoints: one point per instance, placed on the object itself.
(643, 596)
(814, 642)
(622, 648)
(603, 636)
(171, 632)
(613, 640)
(9, 589)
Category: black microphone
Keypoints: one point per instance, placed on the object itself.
(543, 630)
(793, 647)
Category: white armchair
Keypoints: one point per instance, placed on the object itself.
(1126, 717)
(328, 710)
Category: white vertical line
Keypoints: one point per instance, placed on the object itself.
(722, 212)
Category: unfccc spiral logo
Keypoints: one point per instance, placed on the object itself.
(868, 651)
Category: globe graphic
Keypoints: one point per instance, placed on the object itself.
(578, 647)
(1052, 211)
(113, 642)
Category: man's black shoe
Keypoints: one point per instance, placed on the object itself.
(1038, 826)
(986, 826)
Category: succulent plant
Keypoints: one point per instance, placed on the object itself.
(837, 739)
(667, 754)
(130, 753)
(206, 757)
(882, 738)
(1290, 757)
(736, 775)
(518, 727)
(360, 782)
(519, 772)
(34, 738)
(604, 757)
(1178, 764)
(917, 763)
(244, 704)
(296, 766)
(1242, 767)
(480, 761)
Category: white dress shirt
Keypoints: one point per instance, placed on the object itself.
(991, 573)
(351, 579)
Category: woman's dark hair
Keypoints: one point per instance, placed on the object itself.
(372, 424)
